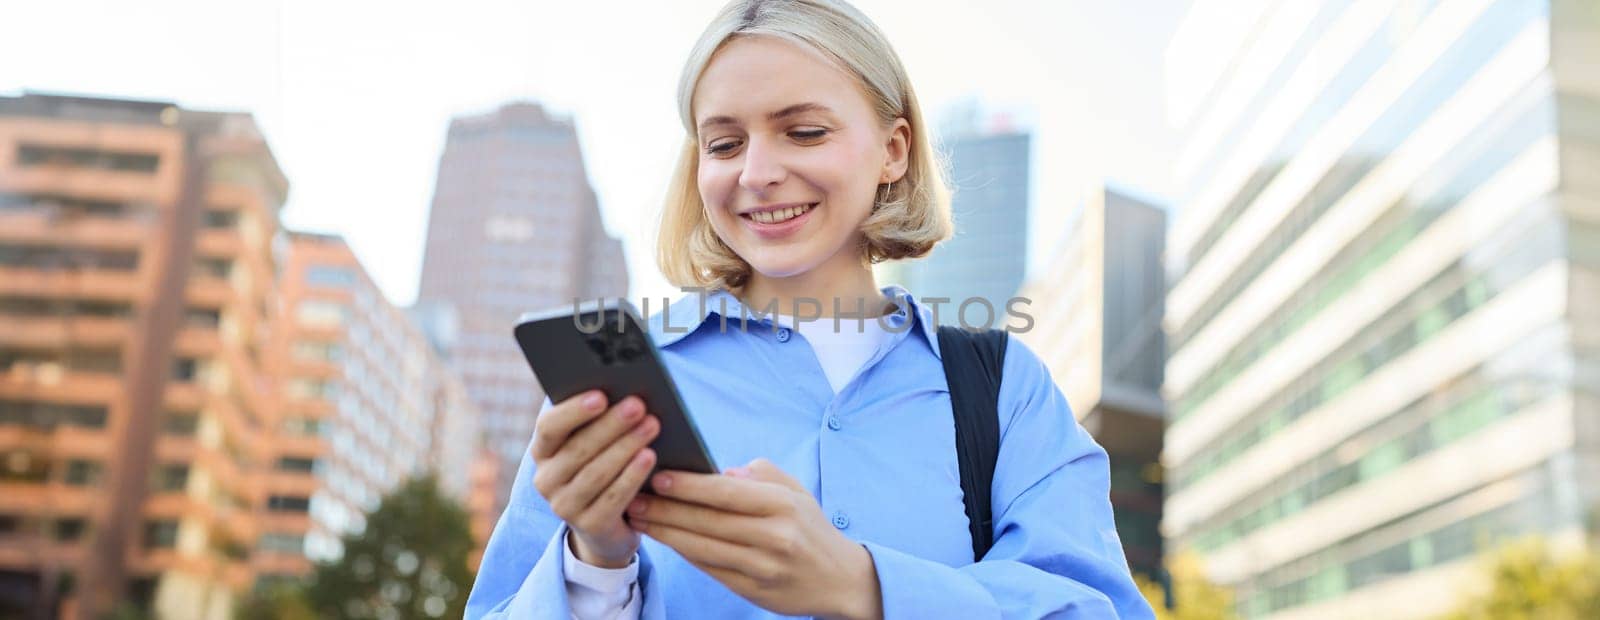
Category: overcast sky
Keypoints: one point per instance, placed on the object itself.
(355, 97)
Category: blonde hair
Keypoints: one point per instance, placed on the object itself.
(909, 219)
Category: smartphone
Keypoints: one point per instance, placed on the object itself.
(604, 345)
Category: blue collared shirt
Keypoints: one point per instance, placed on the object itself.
(880, 458)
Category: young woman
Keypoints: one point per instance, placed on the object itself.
(806, 159)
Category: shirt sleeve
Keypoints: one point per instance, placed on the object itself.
(523, 572)
(600, 593)
(1056, 552)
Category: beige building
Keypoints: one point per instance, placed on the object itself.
(1384, 319)
(366, 403)
(136, 288)
(1096, 323)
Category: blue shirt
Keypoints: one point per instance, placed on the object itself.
(880, 458)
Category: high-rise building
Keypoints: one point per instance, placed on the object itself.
(365, 404)
(1095, 320)
(514, 227)
(988, 255)
(1385, 315)
(136, 286)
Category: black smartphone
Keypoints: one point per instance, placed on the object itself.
(604, 345)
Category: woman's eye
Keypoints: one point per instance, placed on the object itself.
(809, 135)
(721, 147)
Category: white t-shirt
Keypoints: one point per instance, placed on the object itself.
(596, 593)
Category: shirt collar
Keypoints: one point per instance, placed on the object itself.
(688, 314)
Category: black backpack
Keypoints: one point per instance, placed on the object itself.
(973, 361)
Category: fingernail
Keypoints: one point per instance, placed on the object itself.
(663, 481)
(643, 429)
(637, 506)
(738, 472)
(594, 401)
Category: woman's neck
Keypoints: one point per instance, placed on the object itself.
(813, 293)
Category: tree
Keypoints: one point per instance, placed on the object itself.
(283, 602)
(1192, 595)
(1528, 580)
(409, 562)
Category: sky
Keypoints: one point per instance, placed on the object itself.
(355, 97)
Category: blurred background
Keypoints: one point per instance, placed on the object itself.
(1322, 276)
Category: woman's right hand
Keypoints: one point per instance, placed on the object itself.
(591, 462)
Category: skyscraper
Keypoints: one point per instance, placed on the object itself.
(1385, 316)
(987, 257)
(1096, 323)
(136, 287)
(514, 227)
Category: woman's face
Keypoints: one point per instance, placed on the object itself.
(791, 155)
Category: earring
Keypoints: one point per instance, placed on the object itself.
(886, 191)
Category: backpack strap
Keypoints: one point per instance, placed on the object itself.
(973, 361)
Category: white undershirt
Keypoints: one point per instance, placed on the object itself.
(596, 593)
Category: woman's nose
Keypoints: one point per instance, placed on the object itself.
(763, 166)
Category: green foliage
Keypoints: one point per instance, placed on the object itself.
(1527, 580)
(1193, 596)
(409, 562)
(282, 602)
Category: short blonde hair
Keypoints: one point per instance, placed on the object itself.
(908, 220)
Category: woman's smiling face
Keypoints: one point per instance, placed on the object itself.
(791, 155)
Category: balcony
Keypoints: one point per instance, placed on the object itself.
(100, 284)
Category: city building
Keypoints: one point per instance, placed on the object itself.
(987, 257)
(1095, 320)
(365, 404)
(514, 227)
(136, 290)
(1384, 320)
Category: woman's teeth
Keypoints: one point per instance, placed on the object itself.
(781, 215)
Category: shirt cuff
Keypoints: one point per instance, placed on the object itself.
(612, 588)
(913, 587)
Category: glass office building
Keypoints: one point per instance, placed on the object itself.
(1384, 311)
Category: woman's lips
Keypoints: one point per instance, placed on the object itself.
(778, 230)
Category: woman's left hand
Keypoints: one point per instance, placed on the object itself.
(761, 534)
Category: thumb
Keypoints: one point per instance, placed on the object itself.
(763, 470)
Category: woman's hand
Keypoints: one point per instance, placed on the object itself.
(761, 534)
(590, 462)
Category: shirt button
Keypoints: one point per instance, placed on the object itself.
(840, 520)
(834, 423)
(783, 334)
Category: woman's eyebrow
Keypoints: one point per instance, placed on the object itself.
(797, 108)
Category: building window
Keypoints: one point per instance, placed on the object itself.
(219, 268)
(313, 388)
(324, 275)
(288, 503)
(68, 530)
(58, 258)
(23, 466)
(281, 542)
(180, 423)
(171, 477)
(160, 534)
(297, 464)
(185, 369)
(82, 473)
(318, 313)
(220, 218)
(308, 427)
(29, 155)
(318, 351)
(205, 318)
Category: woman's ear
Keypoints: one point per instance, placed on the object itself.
(897, 150)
